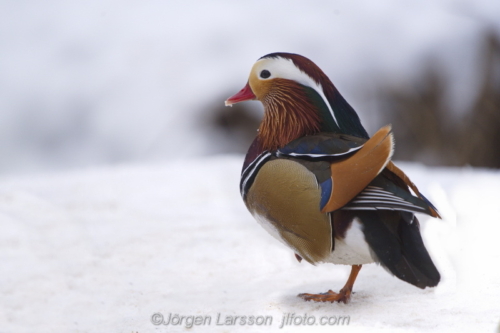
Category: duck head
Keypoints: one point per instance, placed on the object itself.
(298, 98)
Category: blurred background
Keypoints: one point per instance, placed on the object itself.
(86, 83)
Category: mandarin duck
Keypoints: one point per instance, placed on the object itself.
(315, 180)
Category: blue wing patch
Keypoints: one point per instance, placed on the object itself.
(326, 192)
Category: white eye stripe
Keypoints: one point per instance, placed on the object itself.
(285, 68)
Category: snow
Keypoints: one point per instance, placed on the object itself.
(103, 249)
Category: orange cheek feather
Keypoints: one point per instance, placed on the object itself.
(259, 87)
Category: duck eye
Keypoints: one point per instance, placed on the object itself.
(265, 74)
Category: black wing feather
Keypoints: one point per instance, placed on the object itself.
(322, 145)
(398, 246)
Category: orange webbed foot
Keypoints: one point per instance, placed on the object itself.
(344, 295)
(330, 296)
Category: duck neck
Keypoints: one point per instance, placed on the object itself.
(288, 115)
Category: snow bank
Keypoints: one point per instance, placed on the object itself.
(102, 250)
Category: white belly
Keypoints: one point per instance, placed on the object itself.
(353, 249)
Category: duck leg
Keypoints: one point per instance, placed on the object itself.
(342, 296)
